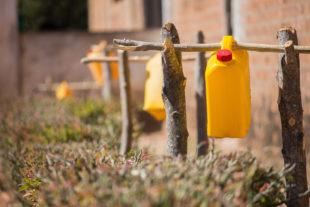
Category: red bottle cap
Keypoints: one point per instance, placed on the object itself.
(224, 55)
(88, 51)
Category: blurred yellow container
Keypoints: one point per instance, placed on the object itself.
(153, 101)
(113, 67)
(228, 92)
(63, 91)
(95, 68)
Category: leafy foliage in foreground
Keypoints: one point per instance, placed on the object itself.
(49, 171)
(91, 174)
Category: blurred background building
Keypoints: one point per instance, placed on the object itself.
(27, 57)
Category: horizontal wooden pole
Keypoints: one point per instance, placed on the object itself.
(73, 85)
(133, 45)
(101, 59)
(142, 59)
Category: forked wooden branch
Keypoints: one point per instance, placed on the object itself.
(173, 93)
(133, 45)
(291, 112)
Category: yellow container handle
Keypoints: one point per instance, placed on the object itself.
(227, 42)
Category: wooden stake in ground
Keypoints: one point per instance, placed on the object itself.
(125, 93)
(173, 92)
(106, 89)
(200, 87)
(291, 112)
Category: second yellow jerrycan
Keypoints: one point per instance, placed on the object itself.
(95, 67)
(153, 101)
(113, 66)
(228, 92)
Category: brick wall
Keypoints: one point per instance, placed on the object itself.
(112, 15)
(261, 20)
(8, 50)
(57, 55)
(204, 15)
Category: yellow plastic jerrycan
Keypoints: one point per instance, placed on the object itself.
(228, 92)
(95, 67)
(113, 66)
(97, 70)
(153, 101)
(63, 91)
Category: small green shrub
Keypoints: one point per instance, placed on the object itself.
(89, 111)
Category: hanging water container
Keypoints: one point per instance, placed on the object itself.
(95, 67)
(113, 67)
(153, 101)
(228, 92)
(63, 91)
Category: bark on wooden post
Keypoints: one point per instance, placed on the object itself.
(173, 93)
(291, 112)
(125, 93)
(106, 88)
(200, 87)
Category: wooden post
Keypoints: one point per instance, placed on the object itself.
(106, 88)
(228, 17)
(291, 112)
(173, 92)
(200, 94)
(125, 93)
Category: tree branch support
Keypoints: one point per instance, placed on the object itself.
(291, 112)
(173, 92)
